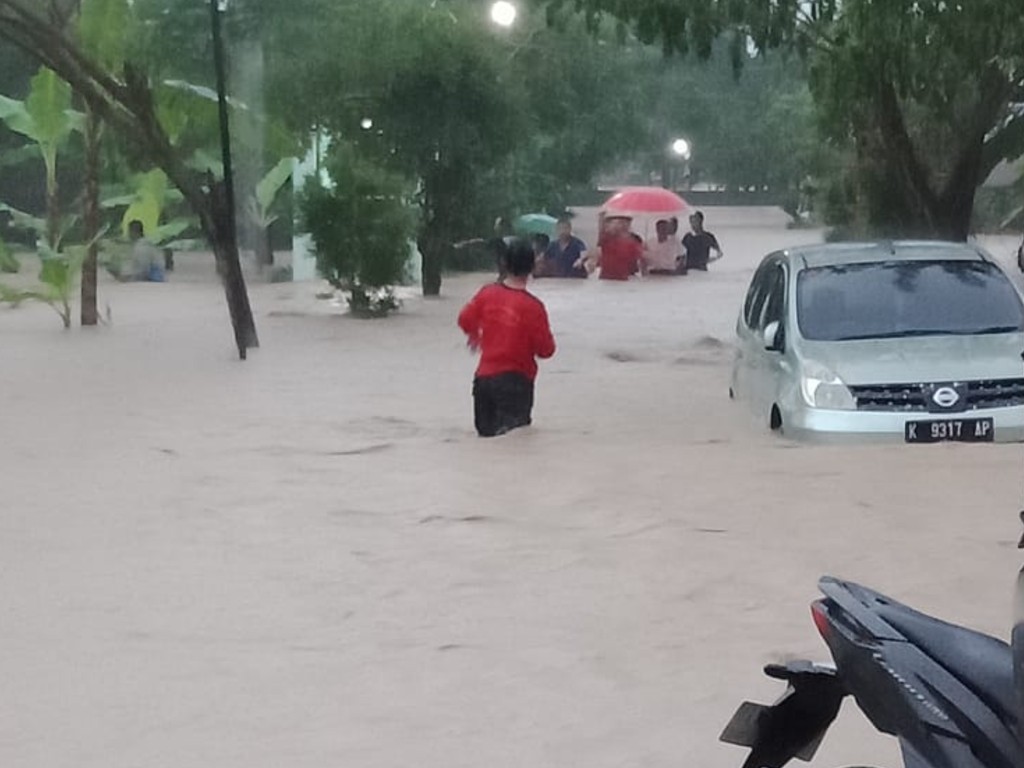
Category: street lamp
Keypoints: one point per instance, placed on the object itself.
(677, 160)
(681, 149)
(504, 13)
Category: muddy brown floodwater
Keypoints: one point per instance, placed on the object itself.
(309, 560)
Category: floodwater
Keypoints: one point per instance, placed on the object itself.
(309, 560)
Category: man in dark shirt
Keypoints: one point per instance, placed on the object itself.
(564, 256)
(699, 244)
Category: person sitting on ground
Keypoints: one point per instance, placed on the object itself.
(565, 256)
(661, 254)
(145, 258)
(619, 254)
(699, 244)
(509, 326)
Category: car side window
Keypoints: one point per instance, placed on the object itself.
(756, 295)
(748, 305)
(775, 297)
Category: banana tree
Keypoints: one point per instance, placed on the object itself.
(147, 202)
(60, 266)
(260, 204)
(47, 120)
(58, 275)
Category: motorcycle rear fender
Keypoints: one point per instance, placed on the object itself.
(795, 725)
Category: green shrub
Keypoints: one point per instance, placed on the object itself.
(361, 226)
(9, 263)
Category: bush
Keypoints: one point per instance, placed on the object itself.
(361, 226)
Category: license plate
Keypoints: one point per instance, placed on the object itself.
(950, 430)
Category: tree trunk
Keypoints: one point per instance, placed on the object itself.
(899, 183)
(901, 206)
(956, 203)
(93, 129)
(434, 251)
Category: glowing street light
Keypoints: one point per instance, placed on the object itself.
(504, 13)
(681, 149)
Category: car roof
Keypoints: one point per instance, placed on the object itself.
(832, 254)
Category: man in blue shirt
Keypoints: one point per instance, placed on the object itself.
(564, 257)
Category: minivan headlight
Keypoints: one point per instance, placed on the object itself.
(821, 388)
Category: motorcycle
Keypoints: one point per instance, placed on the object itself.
(953, 697)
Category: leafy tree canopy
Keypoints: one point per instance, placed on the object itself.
(928, 92)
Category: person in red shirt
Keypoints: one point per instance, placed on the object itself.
(621, 256)
(509, 325)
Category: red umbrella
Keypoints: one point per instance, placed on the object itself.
(641, 201)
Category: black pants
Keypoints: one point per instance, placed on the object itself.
(502, 403)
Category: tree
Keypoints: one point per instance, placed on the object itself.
(756, 132)
(435, 88)
(925, 91)
(103, 29)
(361, 227)
(448, 114)
(125, 102)
(588, 99)
(484, 121)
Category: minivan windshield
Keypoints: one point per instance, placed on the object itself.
(893, 299)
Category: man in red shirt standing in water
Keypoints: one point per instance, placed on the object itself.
(509, 326)
(621, 256)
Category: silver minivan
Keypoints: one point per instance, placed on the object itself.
(916, 341)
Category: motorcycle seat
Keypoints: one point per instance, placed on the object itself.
(980, 662)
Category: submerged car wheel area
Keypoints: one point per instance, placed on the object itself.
(914, 341)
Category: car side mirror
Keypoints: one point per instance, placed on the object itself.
(773, 339)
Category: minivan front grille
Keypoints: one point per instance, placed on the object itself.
(982, 394)
(890, 397)
(995, 393)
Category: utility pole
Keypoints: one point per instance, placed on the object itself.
(224, 205)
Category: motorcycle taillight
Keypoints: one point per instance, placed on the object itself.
(820, 615)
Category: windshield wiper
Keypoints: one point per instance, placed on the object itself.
(910, 333)
(895, 335)
(993, 329)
